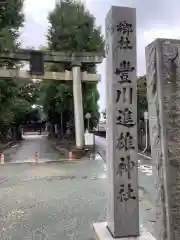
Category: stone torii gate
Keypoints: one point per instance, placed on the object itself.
(37, 60)
(55, 76)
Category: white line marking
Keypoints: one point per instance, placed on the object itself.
(146, 169)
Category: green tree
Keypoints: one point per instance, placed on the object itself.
(16, 97)
(11, 19)
(7, 88)
(72, 29)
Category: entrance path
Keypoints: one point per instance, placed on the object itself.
(26, 150)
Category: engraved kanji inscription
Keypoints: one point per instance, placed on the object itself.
(125, 118)
(123, 70)
(124, 28)
(124, 95)
(118, 95)
(124, 43)
(125, 195)
(125, 166)
(125, 66)
(131, 95)
(124, 77)
(125, 142)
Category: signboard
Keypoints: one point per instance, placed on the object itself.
(36, 63)
(88, 116)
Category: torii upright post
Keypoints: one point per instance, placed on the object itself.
(78, 105)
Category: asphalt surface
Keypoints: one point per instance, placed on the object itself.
(145, 166)
(25, 151)
(55, 199)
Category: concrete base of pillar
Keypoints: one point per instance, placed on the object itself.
(102, 233)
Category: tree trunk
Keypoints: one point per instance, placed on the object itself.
(52, 130)
(61, 132)
(17, 133)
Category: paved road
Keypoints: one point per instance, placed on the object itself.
(51, 201)
(146, 164)
(100, 143)
(55, 200)
(145, 169)
(25, 151)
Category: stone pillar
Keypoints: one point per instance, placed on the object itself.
(123, 203)
(78, 105)
(163, 85)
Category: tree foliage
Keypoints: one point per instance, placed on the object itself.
(11, 19)
(72, 29)
(16, 97)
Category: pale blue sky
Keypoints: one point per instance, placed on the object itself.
(155, 18)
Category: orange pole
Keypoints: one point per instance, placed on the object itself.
(1, 158)
(70, 157)
(36, 157)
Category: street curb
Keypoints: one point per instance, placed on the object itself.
(145, 156)
(38, 163)
(33, 162)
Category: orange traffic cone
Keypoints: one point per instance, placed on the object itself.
(1, 158)
(70, 156)
(36, 157)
